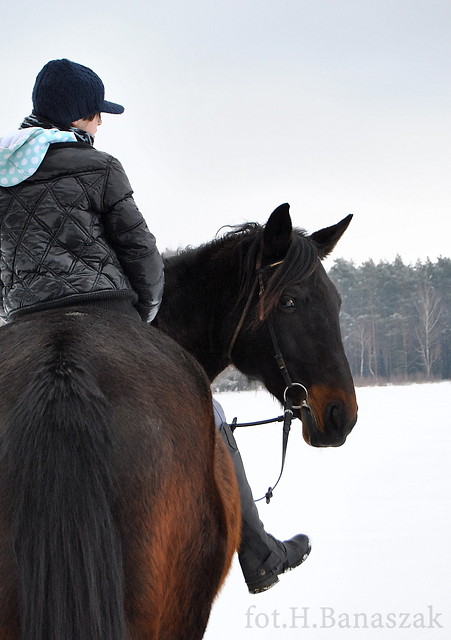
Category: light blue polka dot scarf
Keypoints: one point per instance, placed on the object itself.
(22, 152)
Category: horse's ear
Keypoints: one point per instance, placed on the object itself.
(327, 238)
(277, 234)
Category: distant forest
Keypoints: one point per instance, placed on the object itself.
(395, 319)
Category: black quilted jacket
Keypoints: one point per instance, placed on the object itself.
(72, 234)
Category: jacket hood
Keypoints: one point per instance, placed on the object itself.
(21, 152)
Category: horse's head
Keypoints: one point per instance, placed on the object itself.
(290, 331)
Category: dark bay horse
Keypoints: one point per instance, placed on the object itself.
(119, 511)
(233, 299)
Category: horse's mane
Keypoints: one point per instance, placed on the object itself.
(244, 242)
(297, 264)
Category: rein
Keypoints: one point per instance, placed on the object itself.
(288, 406)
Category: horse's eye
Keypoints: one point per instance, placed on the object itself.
(288, 303)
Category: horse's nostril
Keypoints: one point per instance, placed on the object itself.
(334, 416)
(338, 421)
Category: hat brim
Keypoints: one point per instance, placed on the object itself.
(111, 107)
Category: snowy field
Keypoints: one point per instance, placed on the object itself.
(377, 511)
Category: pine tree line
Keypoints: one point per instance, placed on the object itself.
(396, 319)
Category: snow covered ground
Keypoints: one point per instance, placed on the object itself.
(378, 513)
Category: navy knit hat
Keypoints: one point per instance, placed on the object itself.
(66, 91)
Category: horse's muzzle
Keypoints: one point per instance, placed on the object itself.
(337, 426)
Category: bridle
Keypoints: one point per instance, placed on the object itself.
(288, 406)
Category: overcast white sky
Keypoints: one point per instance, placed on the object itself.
(233, 107)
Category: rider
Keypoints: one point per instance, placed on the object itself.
(71, 234)
(262, 557)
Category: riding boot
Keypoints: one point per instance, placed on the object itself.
(262, 557)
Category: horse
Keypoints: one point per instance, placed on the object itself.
(119, 509)
(259, 298)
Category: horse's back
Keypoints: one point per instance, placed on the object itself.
(169, 479)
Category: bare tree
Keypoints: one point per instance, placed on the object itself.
(428, 330)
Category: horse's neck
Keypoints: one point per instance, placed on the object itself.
(196, 305)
